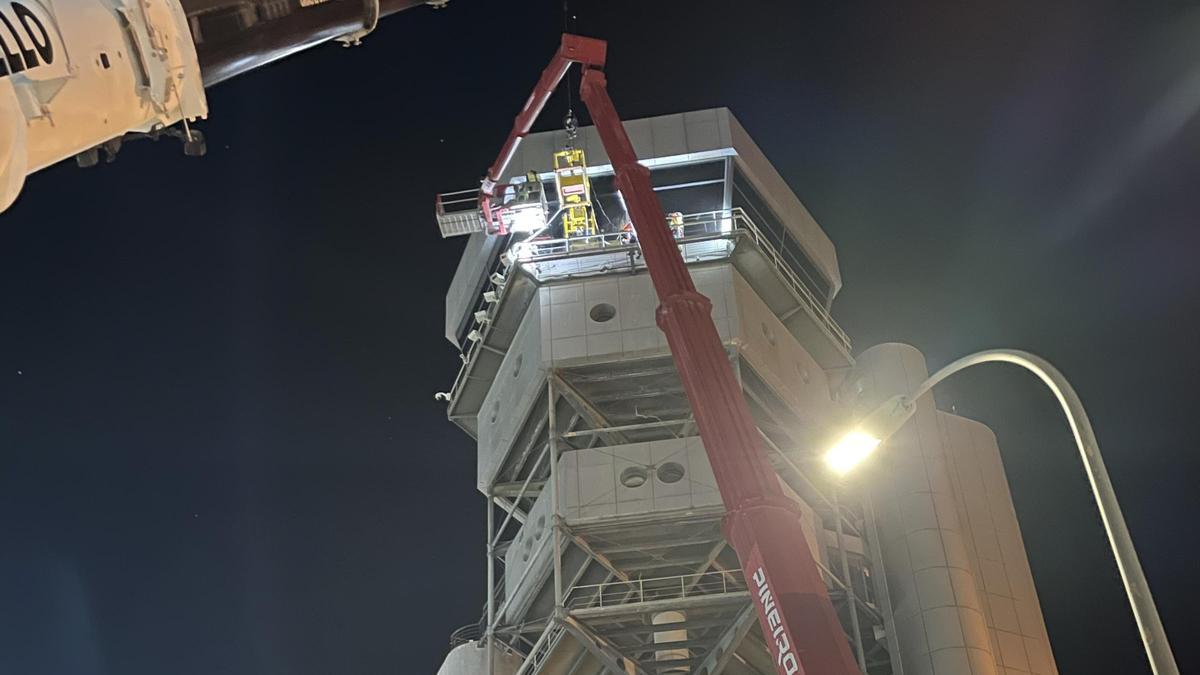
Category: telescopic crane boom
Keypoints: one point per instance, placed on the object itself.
(78, 77)
(762, 524)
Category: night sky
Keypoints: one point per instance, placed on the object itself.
(219, 448)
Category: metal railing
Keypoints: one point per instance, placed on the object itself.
(458, 212)
(618, 592)
(692, 227)
(816, 307)
(468, 633)
(709, 226)
(696, 227)
(542, 649)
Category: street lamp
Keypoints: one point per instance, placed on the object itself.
(885, 420)
(869, 433)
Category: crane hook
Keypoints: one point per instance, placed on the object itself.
(571, 124)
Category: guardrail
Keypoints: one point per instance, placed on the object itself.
(541, 650)
(814, 305)
(457, 212)
(693, 228)
(469, 633)
(615, 593)
(696, 227)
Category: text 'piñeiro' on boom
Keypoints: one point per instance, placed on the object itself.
(785, 656)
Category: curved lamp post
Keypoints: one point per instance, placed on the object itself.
(885, 420)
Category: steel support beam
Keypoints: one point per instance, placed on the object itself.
(489, 629)
(716, 659)
(598, 557)
(587, 410)
(555, 521)
(627, 427)
(601, 649)
(849, 586)
(616, 612)
(514, 490)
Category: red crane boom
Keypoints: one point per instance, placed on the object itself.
(761, 523)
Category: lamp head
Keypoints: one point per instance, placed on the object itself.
(852, 449)
(870, 432)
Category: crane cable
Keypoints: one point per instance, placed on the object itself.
(570, 121)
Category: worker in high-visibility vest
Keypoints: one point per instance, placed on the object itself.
(675, 222)
(628, 236)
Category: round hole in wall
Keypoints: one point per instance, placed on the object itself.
(517, 365)
(539, 528)
(634, 476)
(495, 413)
(768, 334)
(602, 311)
(804, 377)
(670, 472)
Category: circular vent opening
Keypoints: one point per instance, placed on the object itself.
(602, 312)
(634, 476)
(768, 334)
(670, 472)
(495, 413)
(517, 365)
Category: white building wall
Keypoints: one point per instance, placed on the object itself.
(778, 358)
(570, 330)
(530, 550)
(471, 659)
(940, 624)
(517, 385)
(1020, 643)
(591, 484)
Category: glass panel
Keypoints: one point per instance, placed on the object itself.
(748, 199)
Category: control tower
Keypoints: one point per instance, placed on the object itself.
(604, 551)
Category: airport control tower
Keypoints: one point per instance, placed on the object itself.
(604, 548)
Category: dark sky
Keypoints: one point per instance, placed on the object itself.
(219, 448)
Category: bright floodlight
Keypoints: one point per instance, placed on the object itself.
(528, 218)
(869, 432)
(852, 449)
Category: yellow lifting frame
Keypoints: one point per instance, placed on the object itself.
(574, 193)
